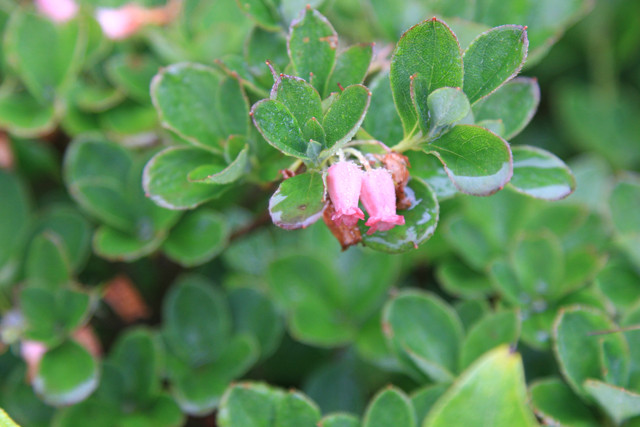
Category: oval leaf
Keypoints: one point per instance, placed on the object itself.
(350, 68)
(540, 174)
(298, 202)
(222, 173)
(280, 128)
(344, 117)
(491, 331)
(390, 407)
(555, 403)
(302, 99)
(447, 106)
(618, 403)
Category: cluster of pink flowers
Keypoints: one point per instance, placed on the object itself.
(347, 184)
(116, 23)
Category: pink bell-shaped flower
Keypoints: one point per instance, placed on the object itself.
(344, 180)
(378, 196)
(59, 11)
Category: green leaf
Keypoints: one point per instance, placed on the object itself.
(262, 12)
(471, 311)
(430, 50)
(491, 392)
(197, 322)
(298, 202)
(538, 264)
(337, 387)
(618, 281)
(555, 403)
(248, 405)
(296, 410)
(300, 98)
(198, 238)
(166, 181)
(132, 74)
(47, 263)
(255, 314)
(312, 47)
(198, 87)
(624, 201)
(95, 96)
(338, 420)
(424, 398)
(492, 59)
(514, 104)
(429, 169)
(344, 117)
(50, 315)
(27, 117)
(446, 106)
(618, 403)
(459, 280)
(46, 56)
(382, 120)
(425, 332)
(420, 222)
(68, 374)
(116, 245)
(136, 355)
(491, 331)
(222, 173)
(199, 390)
(6, 421)
(579, 352)
(350, 68)
(389, 407)
(279, 127)
(540, 174)
(477, 161)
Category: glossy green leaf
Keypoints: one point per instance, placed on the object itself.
(248, 405)
(20, 400)
(166, 181)
(389, 407)
(350, 68)
(340, 420)
(67, 375)
(429, 169)
(132, 74)
(491, 331)
(492, 59)
(51, 314)
(136, 355)
(298, 202)
(279, 127)
(344, 117)
(198, 238)
(116, 245)
(312, 48)
(255, 314)
(477, 161)
(555, 403)
(540, 174)
(302, 99)
(296, 410)
(424, 330)
(618, 403)
(514, 104)
(491, 392)
(420, 222)
(262, 46)
(47, 263)
(6, 421)
(424, 398)
(197, 322)
(45, 55)
(432, 51)
(25, 116)
(199, 390)
(471, 311)
(198, 87)
(446, 106)
(232, 107)
(579, 351)
(262, 12)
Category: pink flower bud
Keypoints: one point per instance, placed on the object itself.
(378, 196)
(57, 10)
(120, 23)
(344, 181)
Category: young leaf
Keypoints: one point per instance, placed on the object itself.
(300, 98)
(298, 202)
(514, 104)
(344, 117)
(166, 182)
(68, 374)
(495, 387)
(350, 68)
(280, 128)
(492, 59)
(477, 161)
(555, 403)
(620, 404)
(446, 106)
(426, 331)
(389, 407)
(312, 48)
(198, 87)
(47, 263)
(432, 51)
(540, 174)
(198, 238)
(420, 222)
